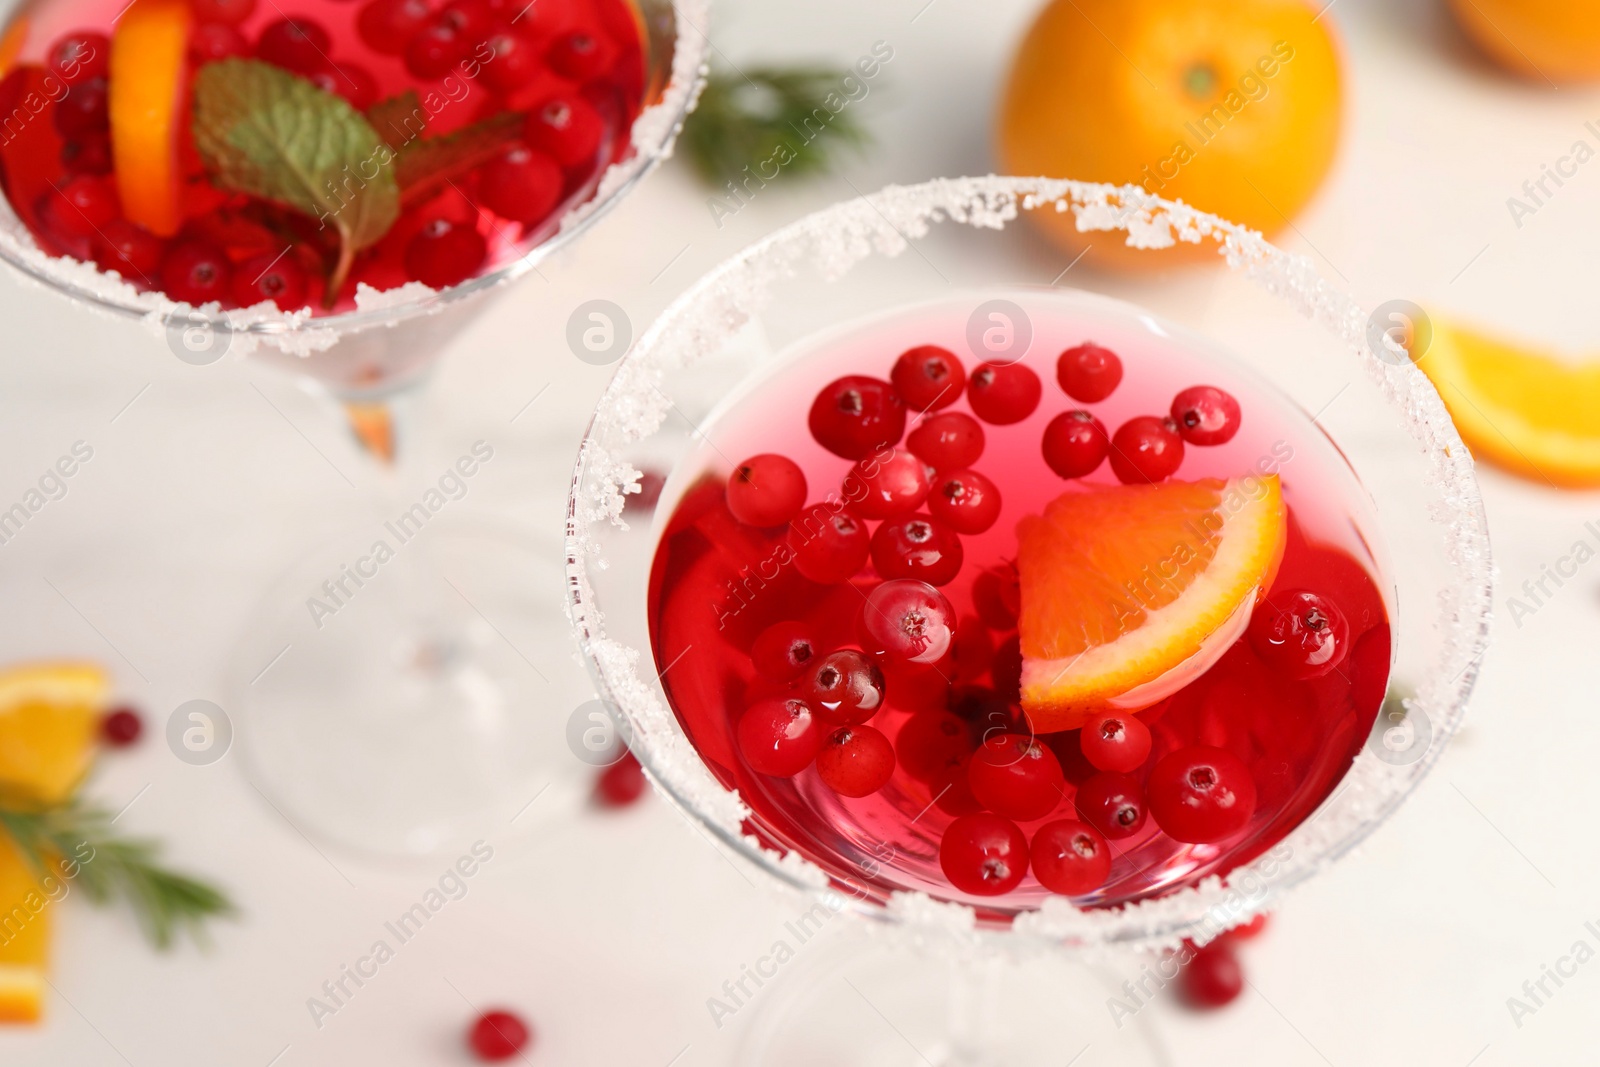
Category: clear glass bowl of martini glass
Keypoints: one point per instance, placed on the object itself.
(333, 188)
(1024, 620)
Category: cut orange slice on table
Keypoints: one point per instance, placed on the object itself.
(1129, 592)
(1520, 409)
(24, 937)
(146, 103)
(49, 715)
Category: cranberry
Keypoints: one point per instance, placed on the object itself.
(1112, 803)
(1300, 634)
(1248, 931)
(620, 784)
(766, 490)
(355, 84)
(80, 207)
(1201, 795)
(983, 855)
(988, 712)
(194, 272)
(1146, 449)
(471, 19)
(520, 184)
(845, 687)
(87, 154)
(270, 276)
(1070, 857)
(779, 736)
(1089, 373)
(951, 792)
(916, 547)
(886, 484)
(445, 253)
(1206, 415)
(929, 377)
(1015, 775)
(855, 761)
(222, 12)
(931, 743)
(387, 25)
(997, 597)
(1003, 393)
(299, 45)
(212, 41)
(79, 57)
(513, 62)
(498, 1035)
(541, 19)
(570, 129)
(1075, 444)
(829, 547)
(1115, 742)
(581, 55)
(908, 622)
(434, 50)
(84, 109)
(783, 650)
(949, 441)
(965, 501)
(856, 416)
(121, 727)
(129, 250)
(1212, 977)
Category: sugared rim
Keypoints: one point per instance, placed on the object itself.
(835, 239)
(652, 137)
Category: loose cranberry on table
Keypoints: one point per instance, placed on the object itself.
(1201, 795)
(295, 44)
(1112, 803)
(984, 854)
(909, 623)
(1088, 373)
(1212, 976)
(916, 547)
(855, 761)
(121, 727)
(1115, 742)
(928, 377)
(779, 736)
(855, 416)
(1075, 443)
(1016, 776)
(784, 650)
(620, 784)
(1070, 857)
(1205, 415)
(845, 687)
(445, 253)
(1003, 393)
(570, 129)
(1146, 449)
(766, 490)
(1300, 634)
(270, 276)
(965, 501)
(521, 185)
(498, 1035)
(829, 547)
(951, 440)
(886, 484)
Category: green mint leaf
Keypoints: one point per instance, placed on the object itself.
(271, 134)
(426, 163)
(399, 119)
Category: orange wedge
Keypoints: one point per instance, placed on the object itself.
(11, 43)
(1520, 409)
(49, 713)
(1129, 592)
(146, 103)
(24, 937)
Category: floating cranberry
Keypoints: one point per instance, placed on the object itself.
(908, 623)
(845, 687)
(983, 855)
(965, 501)
(1115, 742)
(121, 727)
(222, 12)
(386, 26)
(784, 650)
(79, 57)
(1205, 415)
(521, 184)
(916, 547)
(1003, 393)
(952, 793)
(434, 50)
(1070, 857)
(931, 743)
(886, 484)
(1112, 803)
(80, 207)
(1015, 775)
(445, 253)
(87, 154)
(498, 1035)
(1300, 634)
(84, 109)
(766, 490)
(928, 377)
(1212, 977)
(620, 784)
(779, 736)
(1089, 373)
(1075, 444)
(570, 129)
(1146, 449)
(211, 41)
(195, 272)
(270, 276)
(855, 761)
(581, 55)
(949, 441)
(129, 250)
(856, 416)
(829, 547)
(298, 45)
(1201, 795)
(471, 19)
(513, 62)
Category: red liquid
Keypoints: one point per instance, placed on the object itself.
(714, 587)
(37, 157)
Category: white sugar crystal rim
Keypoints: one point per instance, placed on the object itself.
(299, 333)
(833, 241)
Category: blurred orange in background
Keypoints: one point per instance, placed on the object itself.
(1233, 106)
(1552, 41)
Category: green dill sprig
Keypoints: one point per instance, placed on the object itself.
(777, 116)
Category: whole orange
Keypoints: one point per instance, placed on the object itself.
(1230, 105)
(1546, 40)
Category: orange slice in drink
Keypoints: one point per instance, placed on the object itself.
(49, 714)
(1518, 408)
(1129, 592)
(24, 937)
(147, 111)
(11, 43)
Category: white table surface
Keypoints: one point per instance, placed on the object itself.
(611, 932)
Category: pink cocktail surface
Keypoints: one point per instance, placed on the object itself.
(1291, 726)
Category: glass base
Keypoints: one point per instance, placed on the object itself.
(407, 688)
(851, 1000)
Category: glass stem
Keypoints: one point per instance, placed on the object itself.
(974, 1004)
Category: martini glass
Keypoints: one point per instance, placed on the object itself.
(411, 717)
(1016, 984)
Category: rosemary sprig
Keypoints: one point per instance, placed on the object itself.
(78, 843)
(774, 114)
